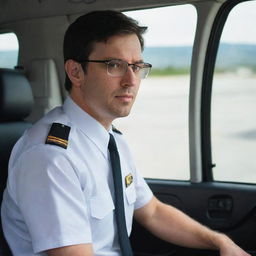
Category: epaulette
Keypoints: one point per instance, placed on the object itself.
(58, 135)
(115, 130)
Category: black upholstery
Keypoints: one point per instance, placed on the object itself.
(16, 101)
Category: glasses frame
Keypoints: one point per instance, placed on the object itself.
(136, 67)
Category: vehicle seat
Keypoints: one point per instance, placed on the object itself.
(16, 101)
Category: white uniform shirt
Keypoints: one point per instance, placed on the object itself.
(58, 197)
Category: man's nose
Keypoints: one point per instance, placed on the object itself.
(130, 78)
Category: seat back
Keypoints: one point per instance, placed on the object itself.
(16, 101)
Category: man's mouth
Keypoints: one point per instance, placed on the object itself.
(125, 97)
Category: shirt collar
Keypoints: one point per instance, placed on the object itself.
(88, 125)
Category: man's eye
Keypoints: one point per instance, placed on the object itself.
(114, 64)
(136, 68)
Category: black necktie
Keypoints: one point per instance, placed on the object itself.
(124, 241)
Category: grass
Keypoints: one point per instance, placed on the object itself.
(169, 71)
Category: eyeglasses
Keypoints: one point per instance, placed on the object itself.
(117, 68)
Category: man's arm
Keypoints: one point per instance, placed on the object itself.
(73, 250)
(170, 224)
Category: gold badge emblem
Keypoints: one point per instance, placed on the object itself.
(128, 180)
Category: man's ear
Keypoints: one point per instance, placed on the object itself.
(75, 72)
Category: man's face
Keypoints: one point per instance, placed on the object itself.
(105, 97)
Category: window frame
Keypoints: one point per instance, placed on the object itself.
(207, 81)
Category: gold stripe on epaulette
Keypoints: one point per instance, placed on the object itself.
(57, 140)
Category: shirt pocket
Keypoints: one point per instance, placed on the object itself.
(101, 205)
(130, 194)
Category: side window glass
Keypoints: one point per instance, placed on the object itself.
(157, 128)
(9, 49)
(234, 98)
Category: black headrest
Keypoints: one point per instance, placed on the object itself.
(16, 98)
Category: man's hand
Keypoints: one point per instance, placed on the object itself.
(227, 247)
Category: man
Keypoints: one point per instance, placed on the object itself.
(61, 199)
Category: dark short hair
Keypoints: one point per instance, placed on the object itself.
(96, 26)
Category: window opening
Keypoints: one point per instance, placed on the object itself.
(9, 49)
(157, 128)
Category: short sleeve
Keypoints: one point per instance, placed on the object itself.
(51, 199)
(143, 192)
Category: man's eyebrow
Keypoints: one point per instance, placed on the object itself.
(139, 61)
(135, 62)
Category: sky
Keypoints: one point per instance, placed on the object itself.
(175, 25)
(8, 42)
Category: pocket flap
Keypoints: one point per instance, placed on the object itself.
(101, 205)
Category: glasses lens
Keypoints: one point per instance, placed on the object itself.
(145, 70)
(116, 67)
(144, 73)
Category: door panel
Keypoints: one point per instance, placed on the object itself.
(227, 207)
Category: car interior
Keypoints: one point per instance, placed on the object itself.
(35, 84)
